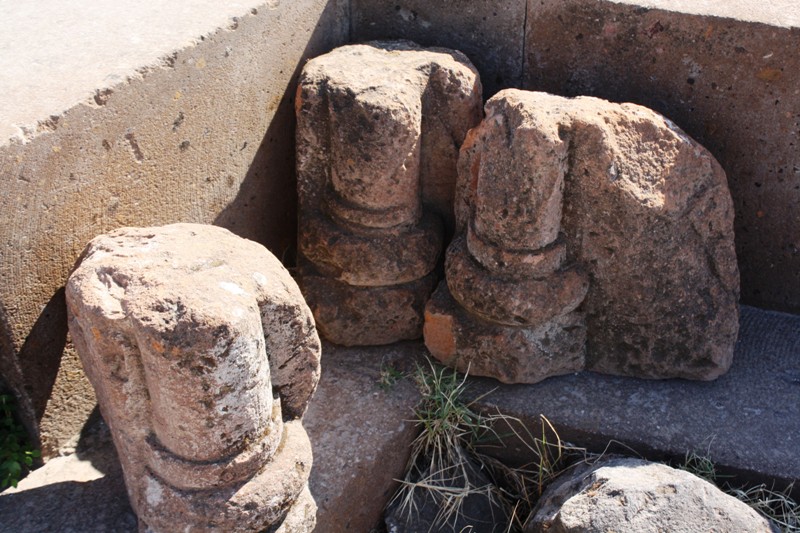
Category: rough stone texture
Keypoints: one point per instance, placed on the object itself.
(508, 267)
(351, 316)
(728, 82)
(646, 211)
(513, 300)
(360, 448)
(373, 259)
(636, 496)
(361, 432)
(510, 354)
(379, 129)
(489, 32)
(202, 352)
(159, 119)
(301, 518)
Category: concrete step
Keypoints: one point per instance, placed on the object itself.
(747, 421)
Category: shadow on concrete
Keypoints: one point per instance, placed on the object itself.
(69, 506)
(57, 499)
(31, 373)
(40, 355)
(265, 209)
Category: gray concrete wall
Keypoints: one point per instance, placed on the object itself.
(490, 32)
(726, 71)
(205, 134)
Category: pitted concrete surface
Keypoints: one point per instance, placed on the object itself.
(748, 421)
(55, 54)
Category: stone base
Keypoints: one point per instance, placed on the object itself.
(367, 316)
(509, 354)
(264, 500)
(517, 300)
(372, 256)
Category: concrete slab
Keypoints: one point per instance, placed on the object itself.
(747, 421)
(54, 55)
(177, 113)
(360, 433)
(730, 82)
(780, 13)
(82, 492)
(490, 32)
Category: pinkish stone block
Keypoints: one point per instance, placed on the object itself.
(379, 127)
(203, 356)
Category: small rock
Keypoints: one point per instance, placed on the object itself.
(635, 496)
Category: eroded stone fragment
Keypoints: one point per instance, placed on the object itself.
(379, 127)
(648, 213)
(509, 307)
(635, 496)
(553, 191)
(204, 356)
(348, 315)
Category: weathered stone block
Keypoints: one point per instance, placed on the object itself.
(203, 356)
(643, 210)
(373, 258)
(378, 134)
(508, 268)
(727, 73)
(512, 300)
(355, 316)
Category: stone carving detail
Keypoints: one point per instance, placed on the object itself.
(560, 198)
(508, 306)
(204, 357)
(379, 128)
